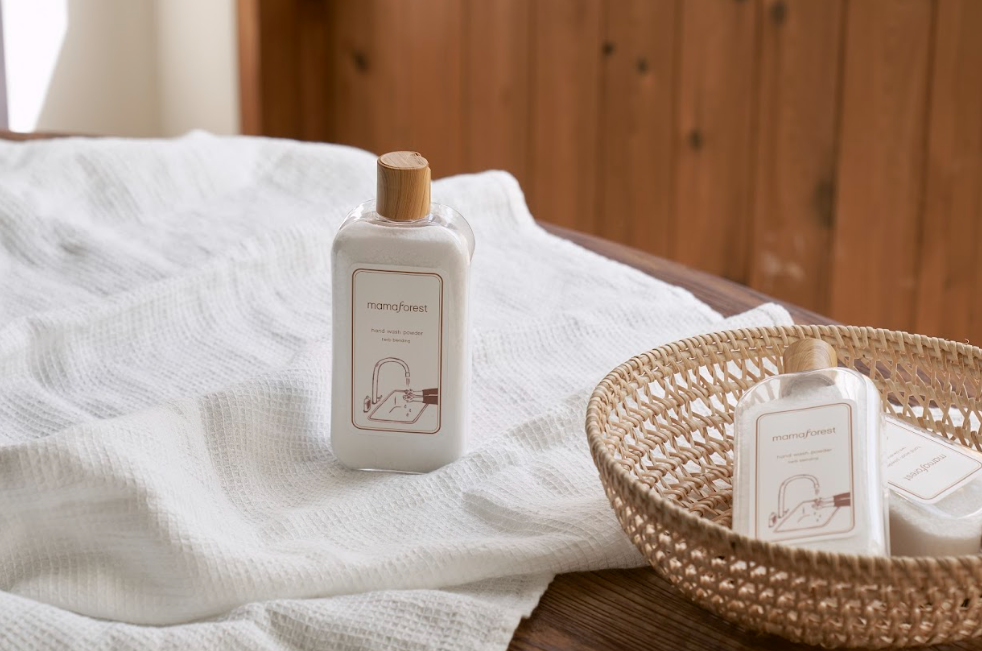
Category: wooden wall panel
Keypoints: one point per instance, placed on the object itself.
(796, 150)
(249, 29)
(566, 50)
(828, 152)
(637, 123)
(430, 51)
(313, 50)
(355, 71)
(285, 76)
(397, 78)
(386, 62)
(950, 290)
(882, 144)
(280, 68)
(715, 135)
(496, 76)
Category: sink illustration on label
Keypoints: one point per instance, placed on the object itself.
(810, 513)
(402, 404)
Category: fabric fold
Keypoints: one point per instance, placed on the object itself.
(166, 476)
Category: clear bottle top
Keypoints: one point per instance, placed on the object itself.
(438, 216)
(404, 201)
(811, 375)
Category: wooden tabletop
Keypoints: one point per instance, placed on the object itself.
(636, 609)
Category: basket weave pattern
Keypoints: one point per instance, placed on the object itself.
(660, 431)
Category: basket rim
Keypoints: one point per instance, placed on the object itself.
(676, 517)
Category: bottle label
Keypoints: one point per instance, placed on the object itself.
(396, 349)
(805, 474)
(921, 467)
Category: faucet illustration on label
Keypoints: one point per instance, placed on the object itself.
(810, 513)
(397, 355)
(402, 404)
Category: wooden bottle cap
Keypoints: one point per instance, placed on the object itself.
(809, 355)
(403, 186)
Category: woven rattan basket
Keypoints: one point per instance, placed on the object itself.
(659, 428)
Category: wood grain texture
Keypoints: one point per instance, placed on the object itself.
(496, 77)
(251, 97)
(796, 149)
(37, 135)
(403, 186)
(715, 135)
(398, 85)
(313, 51)
(637, 117)
(881, 163)
(636, 610)
(429, 50)
(809, 355)
(279, 70)
(284, 76)
(824, 151)
(566, 50)
(629, 610)
(357, 71)
(371, 76)
(949, 296)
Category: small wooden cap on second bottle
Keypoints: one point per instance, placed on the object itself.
(809, 355)
(403, 186)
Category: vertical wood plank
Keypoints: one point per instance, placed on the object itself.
(356, 90)
(742, 96)
(564, 123)
(399, 78)
(370, 97)
(284, 68)
(637, 123)
(390, 61)
(431, 48)
(280, 70)
(314, 51)
(880, 176)
(950, 291)
(715, 135)
(796, 147)
(250, 66)
(496, 86)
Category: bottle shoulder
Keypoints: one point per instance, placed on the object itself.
(812, 387)
(443, 227)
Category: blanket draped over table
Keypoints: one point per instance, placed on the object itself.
(166, 475)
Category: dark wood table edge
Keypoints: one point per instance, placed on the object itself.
(724, 296)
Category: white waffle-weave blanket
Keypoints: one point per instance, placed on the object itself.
(166, 477)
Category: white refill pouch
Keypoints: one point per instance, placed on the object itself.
(808, 470)
(935, 493)
(401, 367)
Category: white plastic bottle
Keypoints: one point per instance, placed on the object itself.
(401, 369)
(808, 462)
